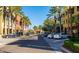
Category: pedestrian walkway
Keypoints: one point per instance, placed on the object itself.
(4, 41)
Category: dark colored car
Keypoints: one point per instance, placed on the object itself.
(46, 34)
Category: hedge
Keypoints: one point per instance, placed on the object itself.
(73, 46)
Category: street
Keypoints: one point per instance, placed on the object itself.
(56, 44)
(34, 44)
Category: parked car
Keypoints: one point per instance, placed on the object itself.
(46, 34)
(57, 36)
(63, 35)
(49, 36)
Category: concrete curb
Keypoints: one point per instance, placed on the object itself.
(65, 50)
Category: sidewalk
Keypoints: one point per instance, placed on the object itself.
(4, 41)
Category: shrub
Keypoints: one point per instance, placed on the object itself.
(75, 39)
(68, 43)
(73, 46)
(76, 48)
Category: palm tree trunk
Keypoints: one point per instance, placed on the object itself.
(60, 21)
(8, 25)
(11, 19)
(55, 24)
(4, 17)
(71, 24)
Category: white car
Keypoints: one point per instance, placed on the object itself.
(60, 35)
(57, 36)
(54, 35)
(49, 36)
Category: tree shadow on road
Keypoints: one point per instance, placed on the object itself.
(38, 44)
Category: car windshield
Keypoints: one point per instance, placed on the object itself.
(63, 33)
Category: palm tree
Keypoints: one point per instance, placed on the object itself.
(9, 14)
(73, 20)
(70, 17)
(52, 12)
(0, 10)
(59, 10)
(25, 21)
(4, 11)
(14, 10)
(49, 24)
(40, 27)
(4, 17)
(35, 27)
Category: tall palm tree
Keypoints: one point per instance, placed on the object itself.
(49, 24)
(14, 10)
(9, 14)
(0, 10)
(70, 17)
(4, 17)
(59, 10)
(73, 20)
(26, 21)
(52, 12)
(4, 11)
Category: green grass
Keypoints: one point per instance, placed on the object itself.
(72, 45)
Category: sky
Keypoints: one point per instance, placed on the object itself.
(37, 14)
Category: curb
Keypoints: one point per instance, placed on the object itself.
(65, 50)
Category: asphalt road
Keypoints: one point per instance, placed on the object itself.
(34, 44)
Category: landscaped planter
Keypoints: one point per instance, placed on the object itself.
(72, 46)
